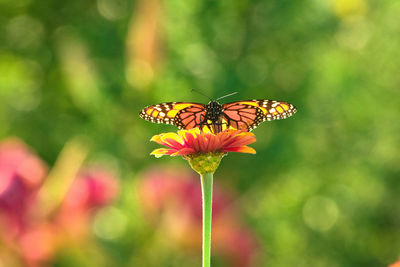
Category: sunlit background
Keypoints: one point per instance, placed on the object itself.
(79, 188)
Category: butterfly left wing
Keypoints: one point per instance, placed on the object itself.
(184, 115)
(247, 114)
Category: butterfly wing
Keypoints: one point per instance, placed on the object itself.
(247, 114)
(184, 115)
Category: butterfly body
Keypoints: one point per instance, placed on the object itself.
(214, 117)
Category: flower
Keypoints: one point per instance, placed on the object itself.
(94, 187)
(193, 141)
(204, 151)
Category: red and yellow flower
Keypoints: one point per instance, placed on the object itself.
(193, 141)
(204, 151)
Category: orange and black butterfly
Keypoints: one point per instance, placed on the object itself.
(214, 117)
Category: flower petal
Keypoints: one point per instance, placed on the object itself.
(157, 139)
(159, 152)
(184, 151)
(172, 143)
(212, 143)
(241, 139)
(203, 141)
(191, 132)
(225, 138)
(172, 136)
(241, 149)
(189, 138)
(196, 145)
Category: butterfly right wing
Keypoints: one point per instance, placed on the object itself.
(247, 114)
(184, 115)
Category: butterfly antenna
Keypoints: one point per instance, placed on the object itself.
(234, 93)
(194, 90)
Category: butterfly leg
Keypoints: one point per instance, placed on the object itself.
(204, 123)
(203, 119)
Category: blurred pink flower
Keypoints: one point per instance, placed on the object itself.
(32, 236)
(21, 174)
(171, 197)
(94, 187)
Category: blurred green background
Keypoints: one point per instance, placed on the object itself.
(323, 188)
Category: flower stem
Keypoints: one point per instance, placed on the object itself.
(206, 189)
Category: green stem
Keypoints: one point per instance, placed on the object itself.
(206, 189)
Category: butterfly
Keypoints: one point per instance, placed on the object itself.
(214, 117)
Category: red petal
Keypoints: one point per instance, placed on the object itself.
(189, 139)
(212, 143)
(184, 151)
(203, 143)
(225, 138)
(242, 141)
(196, 145)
